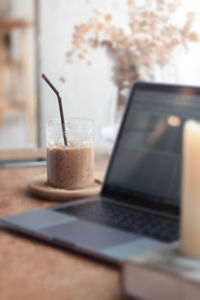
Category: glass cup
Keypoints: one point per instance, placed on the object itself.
(72, 166)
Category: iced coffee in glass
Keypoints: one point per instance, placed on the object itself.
(72, 166)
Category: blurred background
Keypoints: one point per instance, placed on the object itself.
(92, 50)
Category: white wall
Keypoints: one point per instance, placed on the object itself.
(188, 62)
(87, 88)
(185, 67)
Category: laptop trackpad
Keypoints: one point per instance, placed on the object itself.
(89, 235)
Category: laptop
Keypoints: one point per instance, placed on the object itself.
(138, 207)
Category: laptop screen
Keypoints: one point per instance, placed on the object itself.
(145, 168)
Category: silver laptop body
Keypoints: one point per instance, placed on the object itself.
(138, 207)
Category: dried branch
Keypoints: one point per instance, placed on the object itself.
(147, 41)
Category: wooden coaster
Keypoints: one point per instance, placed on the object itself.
(39, 188)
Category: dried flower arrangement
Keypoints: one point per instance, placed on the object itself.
(147, 41)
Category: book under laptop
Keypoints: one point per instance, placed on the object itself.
(138, 207)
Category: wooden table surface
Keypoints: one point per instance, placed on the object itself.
(30, 269)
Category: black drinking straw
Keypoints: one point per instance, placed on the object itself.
(60, 108)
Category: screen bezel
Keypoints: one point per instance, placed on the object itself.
(138, 198)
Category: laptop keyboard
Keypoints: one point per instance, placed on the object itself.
(123, 218)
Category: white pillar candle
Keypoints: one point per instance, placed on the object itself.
(190, 206)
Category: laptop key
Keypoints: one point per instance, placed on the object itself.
(134, 221)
